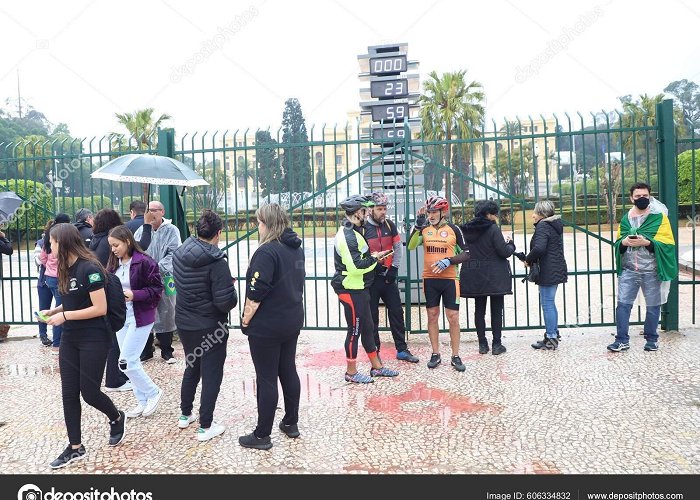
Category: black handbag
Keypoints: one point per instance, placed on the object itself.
(533, 273)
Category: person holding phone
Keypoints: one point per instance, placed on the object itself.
(382, 234)
(354, 274)
(486, 275)
(85, 341)
(645, 255)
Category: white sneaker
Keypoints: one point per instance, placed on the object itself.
(152, 404)
(211, 432)
(185, 421)
(136, 411)
(171, 361)
(127, 386)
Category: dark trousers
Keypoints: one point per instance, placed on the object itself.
(389, 293)
(165, 340)
(114, 377)
(81, 364)
(359, 321)
(204, 359)
(496, 317)
(275, 359)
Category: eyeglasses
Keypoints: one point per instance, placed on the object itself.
(155, 209)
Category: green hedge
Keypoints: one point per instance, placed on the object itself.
(685, 176)
(37, 208)
(593, 214)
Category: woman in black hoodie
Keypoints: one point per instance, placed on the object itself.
(486, 275)
(272, 319)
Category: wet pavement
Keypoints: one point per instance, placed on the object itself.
(579, 409)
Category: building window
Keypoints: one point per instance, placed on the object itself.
(241, 172)
(487, 151)
(338, 174)
(338, 160)
(319, 159)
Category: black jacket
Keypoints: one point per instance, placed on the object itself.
(547, 246)
(85, 230)
(205, 291)
(135, 223)
(487, 272)
(275, 278)
(5, 246)
(100, 244)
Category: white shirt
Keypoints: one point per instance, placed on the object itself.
(123, 274)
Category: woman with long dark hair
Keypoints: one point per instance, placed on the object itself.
(106, 220)
(85, 341)
(272, 319)
(140, 279)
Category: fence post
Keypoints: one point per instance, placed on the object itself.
(168, 194)
(668, 191)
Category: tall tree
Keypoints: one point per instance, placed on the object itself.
(452, 108)
(296, 158)
(513, 168)
(269, 170)
(687, 95)
(321, 181)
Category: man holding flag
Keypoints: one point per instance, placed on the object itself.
(645, 254)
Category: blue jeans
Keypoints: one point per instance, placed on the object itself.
(52, 283)
(549, 309)
(651, 321)
(45, 298)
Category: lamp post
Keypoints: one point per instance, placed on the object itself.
(56, 184)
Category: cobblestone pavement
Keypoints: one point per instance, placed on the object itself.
(580, 409)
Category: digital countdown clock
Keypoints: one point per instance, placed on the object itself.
(389, 88)
(389, 112)
(389, 134)
(387, 65)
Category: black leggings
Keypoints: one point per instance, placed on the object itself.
(205, 354)
(360, 324)
(275, 359)
(81, 364)
(496, 317)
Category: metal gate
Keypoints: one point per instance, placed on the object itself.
(584, 164)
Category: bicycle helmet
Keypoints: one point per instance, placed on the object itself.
(436, 203)
(356, 202)
(380, 199)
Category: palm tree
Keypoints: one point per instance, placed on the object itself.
(142, 126)
(451, 107)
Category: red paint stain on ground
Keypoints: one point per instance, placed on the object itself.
(324, 359)
(426, 405)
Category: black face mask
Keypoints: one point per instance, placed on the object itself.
(642, 203)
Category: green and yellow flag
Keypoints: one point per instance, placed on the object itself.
(657, 228)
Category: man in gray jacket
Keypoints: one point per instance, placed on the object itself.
(164, 242)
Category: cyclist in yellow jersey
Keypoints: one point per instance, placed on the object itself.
(444, 250)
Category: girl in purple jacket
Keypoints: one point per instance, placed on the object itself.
(140, 278)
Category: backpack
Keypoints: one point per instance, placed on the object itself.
(116, 304)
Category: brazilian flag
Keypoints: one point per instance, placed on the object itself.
(656, 228)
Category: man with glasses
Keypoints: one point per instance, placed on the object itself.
(164, 242)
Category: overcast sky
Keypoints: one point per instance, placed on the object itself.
(216, 65)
